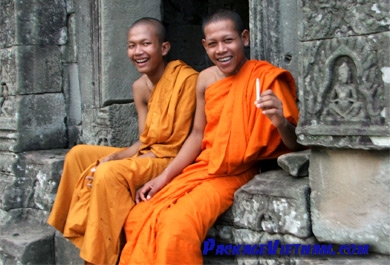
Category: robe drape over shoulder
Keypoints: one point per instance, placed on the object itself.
(171, 107)
(93, 218)
(170, 227)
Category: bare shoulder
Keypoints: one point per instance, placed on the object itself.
(141, 89)
(141, 82)
(209, 76)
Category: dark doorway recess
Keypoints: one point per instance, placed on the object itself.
(183, 20)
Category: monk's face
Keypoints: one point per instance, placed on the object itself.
(225, 45)
(144, 48)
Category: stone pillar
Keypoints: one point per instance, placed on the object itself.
(273, 33)
(344, 84)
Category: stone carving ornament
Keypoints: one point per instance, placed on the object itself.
(345, 83)
(331, 18)
(342, 90)
(344, 101)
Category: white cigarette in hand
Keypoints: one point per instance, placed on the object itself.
(257, 89)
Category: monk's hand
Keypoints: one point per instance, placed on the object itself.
(106, 159)
(89, 178)
(271, 106)
(149, 189)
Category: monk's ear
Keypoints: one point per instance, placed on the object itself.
(245, 37)
(204, 43)
(165, 47)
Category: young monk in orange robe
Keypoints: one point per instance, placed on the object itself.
(98, 184)
(232, 131)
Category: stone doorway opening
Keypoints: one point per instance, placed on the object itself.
(183, 20)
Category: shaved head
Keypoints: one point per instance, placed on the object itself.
(157, 25)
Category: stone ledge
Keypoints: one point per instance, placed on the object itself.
(24, 239)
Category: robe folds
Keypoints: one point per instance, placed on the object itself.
(93, 218)
(170, 227)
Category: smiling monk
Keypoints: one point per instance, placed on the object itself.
(99, 183)
(232, 131)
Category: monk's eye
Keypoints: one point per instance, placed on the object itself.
(228, 40)
(211, 44)
(146, 43)
(130, 46)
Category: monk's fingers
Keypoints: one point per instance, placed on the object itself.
(143, 193)
(275, 116)
(151, 192)
(138, 196)
(273, 112)
(271, 103)
(267, 92)
(89, 180)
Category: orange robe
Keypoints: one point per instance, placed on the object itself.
(93, 218)
(169, 228)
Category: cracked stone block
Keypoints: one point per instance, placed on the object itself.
(274, 202)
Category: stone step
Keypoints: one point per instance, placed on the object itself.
(24, 243)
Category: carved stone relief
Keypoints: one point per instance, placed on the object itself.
(331, 18)
(342, 91)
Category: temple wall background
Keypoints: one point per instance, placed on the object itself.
(66, 79)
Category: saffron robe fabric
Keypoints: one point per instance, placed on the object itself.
(170, 227)
(93, 218)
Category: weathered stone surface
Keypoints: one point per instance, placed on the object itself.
(8, 74)
(295, 163)
(350, 197)
(35, 180)
(273, 28)
(116, 125)
(7, 22)
(73, 105)
(40, 22)
(26, 245)
(45, 167)
(39, 69)
(222, 233)
(246, 236)
(69, 51)
(351, 80)
(65, 251)
(7, 162)
(274, 202)
(329, 19)
(117, 73)
(41, 122)
(26, 239)
(7, 178)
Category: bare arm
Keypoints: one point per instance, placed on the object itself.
(188, 152)
(141, 98)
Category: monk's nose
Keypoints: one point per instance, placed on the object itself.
(221, 47)
(138, 49)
